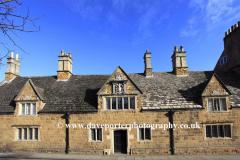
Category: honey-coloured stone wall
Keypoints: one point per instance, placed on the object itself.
(63, 75)
(148, 72)
(9, 76)
(181, 71)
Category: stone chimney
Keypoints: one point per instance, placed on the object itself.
(65, 66)
(230, 57)
(147, 61)
(179, 62)
(13, 67)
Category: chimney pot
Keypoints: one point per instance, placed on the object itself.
(11, 54)
(181, 48)
(17, 57)
(62, 52)
(175, 48)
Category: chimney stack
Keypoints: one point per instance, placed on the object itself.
(65, 66)
(13, 67)
(179, 62)
(147, 61)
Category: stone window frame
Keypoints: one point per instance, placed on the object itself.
(119, 96)
(218, 98)
(144, 140)
(90, 135)
(217, 124)
(31, 106)
(33, 127)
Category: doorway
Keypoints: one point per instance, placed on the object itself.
(120, 141)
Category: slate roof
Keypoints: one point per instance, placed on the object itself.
(166, 90)
(79, 94)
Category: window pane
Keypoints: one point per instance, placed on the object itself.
(23, 109)
(19, 133)
(210, 105)
(225, 59)
(221, 61)
(214, 131)
(34, 108)
(99, 134)
(93, 134)
(147, 133)
(125, 103)
(227, 131)
(113, 103)
(220, 131)
(222, 104)
(30, 134)
(216, 105)
(25, 133)
(132, 103)
(28, 108)
(208, 131)
(141, 133)
(107, 103)
(119, 103)
(36, 133)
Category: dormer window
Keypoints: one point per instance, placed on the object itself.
(28, 109)
(217, 104)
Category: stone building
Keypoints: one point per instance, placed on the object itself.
(178, 112)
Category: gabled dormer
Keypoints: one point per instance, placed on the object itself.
(119, 93)
(29, 100)
(216, 95)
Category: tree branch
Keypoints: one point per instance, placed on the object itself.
(7, 23)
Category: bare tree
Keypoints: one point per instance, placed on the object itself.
(10, 23)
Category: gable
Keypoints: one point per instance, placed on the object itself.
(215, 87)
(119, 76)
(29, 92)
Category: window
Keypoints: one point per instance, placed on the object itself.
(28, 109)
(120, 103)
(144, 133)
(223, 60)
(217, 104)
(27, 133)
(96, 134)
(218, 131)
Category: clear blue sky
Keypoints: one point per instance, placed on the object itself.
(104, 34)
